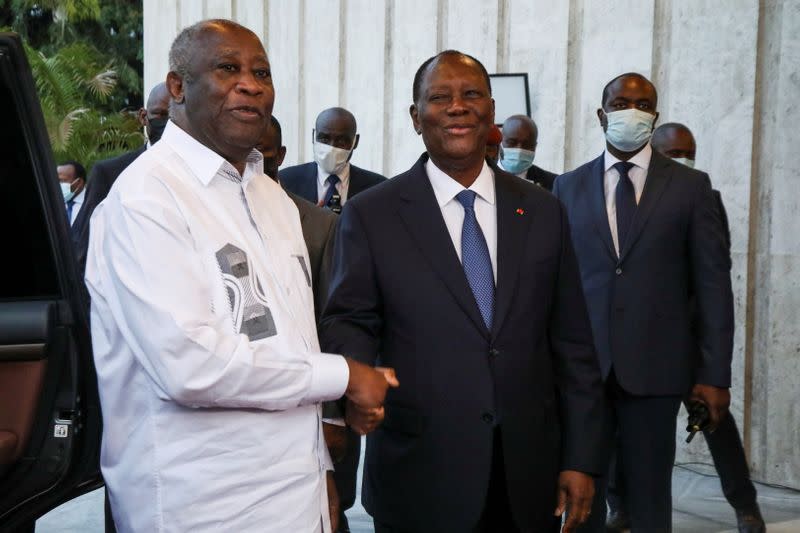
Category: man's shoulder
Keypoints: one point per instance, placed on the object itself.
(578, 174)
(316, 215)
(366, 176)
(298, 172)
(120, 162)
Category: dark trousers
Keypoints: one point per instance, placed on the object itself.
(642, 430)
(496, 516)
(345, 475)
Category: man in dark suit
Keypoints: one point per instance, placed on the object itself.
(520, 137)
(330, 180)
(497, 422)
(104, 173)
(676, 141)
(649, 239)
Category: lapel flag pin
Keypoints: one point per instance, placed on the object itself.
(520, 211)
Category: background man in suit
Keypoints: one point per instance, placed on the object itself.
(498, 420)
(677, 142)
(104, 173)
(330, 180)
(318, 227)
(493, 145)
(72, 177)
(648, 239)
(520, 136)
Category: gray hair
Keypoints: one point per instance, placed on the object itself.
(185, 44)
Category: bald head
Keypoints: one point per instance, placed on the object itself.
(674, 140)
(154, 115)
(520, 131)
(337, 127)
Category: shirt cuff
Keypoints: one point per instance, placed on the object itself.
(329, 377)
(334, 421)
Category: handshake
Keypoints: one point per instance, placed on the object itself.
(366, 392)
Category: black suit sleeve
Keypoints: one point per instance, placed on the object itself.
(711, 279)
(352, 321)
(97, 188)
(325, 266)
(577, 369)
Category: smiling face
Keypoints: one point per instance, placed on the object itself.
(227, 95)
(454, 112)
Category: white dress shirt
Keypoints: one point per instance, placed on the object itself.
(76, 206)
(206, 349)
(637, 174)
(342, 187)
(446, 188)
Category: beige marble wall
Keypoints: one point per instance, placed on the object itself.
(729, 70)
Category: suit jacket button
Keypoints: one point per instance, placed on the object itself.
(487, 417)
(618, 271)
(494, 352)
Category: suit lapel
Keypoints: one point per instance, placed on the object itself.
(658, 175)
(356, 186)
(513, 224)
(597, 204)
(423, 218)
(310, 183)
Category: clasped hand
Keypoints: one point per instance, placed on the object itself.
(366, 392)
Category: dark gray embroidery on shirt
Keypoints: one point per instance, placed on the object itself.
(302, 261)
(249, 309)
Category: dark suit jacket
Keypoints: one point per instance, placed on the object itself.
(302, 180)
(103, 175)
(399, 296)
(318, 227)
(541, 177)
(640, 303)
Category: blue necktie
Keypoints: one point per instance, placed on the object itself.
(70, 205)
(475, 259)
(626, 202)
(332, 180)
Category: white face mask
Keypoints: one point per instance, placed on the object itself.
(66, 190)
(329, 158)
(629, 129)
(684, 161)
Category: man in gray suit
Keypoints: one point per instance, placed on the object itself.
(318, 225)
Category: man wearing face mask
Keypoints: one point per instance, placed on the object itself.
(72, 178)
(649, 239)
(330, 180)
(104, 173)
(520, 136)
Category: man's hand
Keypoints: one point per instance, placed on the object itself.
(362, 420)
(575, 494)
(367, 386)
(333, 501)
(715, 398)
(335, 440)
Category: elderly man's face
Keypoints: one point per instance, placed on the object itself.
(454, 111)
(229, 96)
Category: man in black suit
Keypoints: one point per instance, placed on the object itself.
(649, 240)
(497, 422)
(520, 137)
(104, 173)
(330, 180)
(676, 141)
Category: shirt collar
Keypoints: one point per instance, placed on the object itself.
(446, 188)
(641, 160)
(203, 161)
(344, 175)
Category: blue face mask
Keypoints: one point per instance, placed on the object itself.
(517, 160)
(629, 129)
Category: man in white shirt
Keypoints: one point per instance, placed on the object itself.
(208, 364)
(72, 177)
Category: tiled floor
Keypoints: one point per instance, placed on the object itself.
(699, 507)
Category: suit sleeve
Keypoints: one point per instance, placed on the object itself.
(352, 320)
(577, 369)
(711, 279)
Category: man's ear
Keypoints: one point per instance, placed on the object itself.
(412, 110)
(141, 116)
(654, 122)
(492, 110)
(281, 155)
(355, 144)
(601, 115)
(175, 87)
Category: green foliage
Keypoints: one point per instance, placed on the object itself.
(86, 60)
